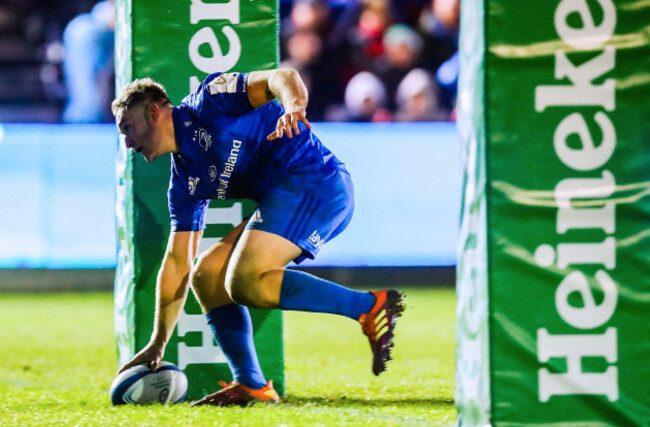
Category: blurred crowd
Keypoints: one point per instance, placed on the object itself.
(56, 60)
(374, 60)
(362, 60)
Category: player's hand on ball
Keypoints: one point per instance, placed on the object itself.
(152, 354)
(288, 124)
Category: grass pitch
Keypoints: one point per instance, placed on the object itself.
(59, 358)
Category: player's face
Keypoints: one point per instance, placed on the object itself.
(139, 132)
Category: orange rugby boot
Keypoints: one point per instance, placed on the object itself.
(378, 325)
(236, 394)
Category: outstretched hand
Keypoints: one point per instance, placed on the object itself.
(288, 124)
(152, 354)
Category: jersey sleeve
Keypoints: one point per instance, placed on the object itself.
(222, 94)
(186, 212)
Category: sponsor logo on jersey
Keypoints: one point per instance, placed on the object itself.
(191, 184)
(203, 138)
(224, 83)
(257, 217)
(187, 124)
(212, 173)
(316, 240)
(228, 167)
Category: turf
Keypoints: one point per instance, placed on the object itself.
(58, 360)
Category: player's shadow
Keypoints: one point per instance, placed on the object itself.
(426, 402)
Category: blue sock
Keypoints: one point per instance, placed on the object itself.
(232, 327)
(304, 292)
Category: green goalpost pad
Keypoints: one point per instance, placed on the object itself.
(179, 44)
(554, 262)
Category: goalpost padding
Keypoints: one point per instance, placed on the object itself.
(179, 44)
(554, 256)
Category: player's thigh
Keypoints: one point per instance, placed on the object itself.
(255, 272)
(308, 211)
(259, 251)
(209, 273)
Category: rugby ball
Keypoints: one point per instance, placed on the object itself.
(139, 385)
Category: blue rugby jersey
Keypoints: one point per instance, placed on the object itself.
(224, 153)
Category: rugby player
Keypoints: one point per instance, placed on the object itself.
(246, 135)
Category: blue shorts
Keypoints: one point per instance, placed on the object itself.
(307, 209)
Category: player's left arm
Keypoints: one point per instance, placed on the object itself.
(286, 85)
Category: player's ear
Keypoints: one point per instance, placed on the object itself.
(153, 110)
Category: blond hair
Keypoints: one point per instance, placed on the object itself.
(140, 91)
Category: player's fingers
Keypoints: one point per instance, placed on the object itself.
(127, 366)
(294, 124)
(153, 365)
(306, 122)
(286, 123)
(272, 136)
(281, 127)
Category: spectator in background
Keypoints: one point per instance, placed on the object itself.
(402, 47)
(305, 31)
(368, 34)
(417, 99)
(447, 77)
(447, 12)
(304, 50)
(441, 22)
(365, 99)
(308, 15)
(440, 38)
(88, 42)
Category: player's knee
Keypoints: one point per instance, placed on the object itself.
(196, 279)
(204, 278)
(198, 275)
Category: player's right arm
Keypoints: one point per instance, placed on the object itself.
(286, 85)
(171, 293)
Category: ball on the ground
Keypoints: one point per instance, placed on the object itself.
(139, 385)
